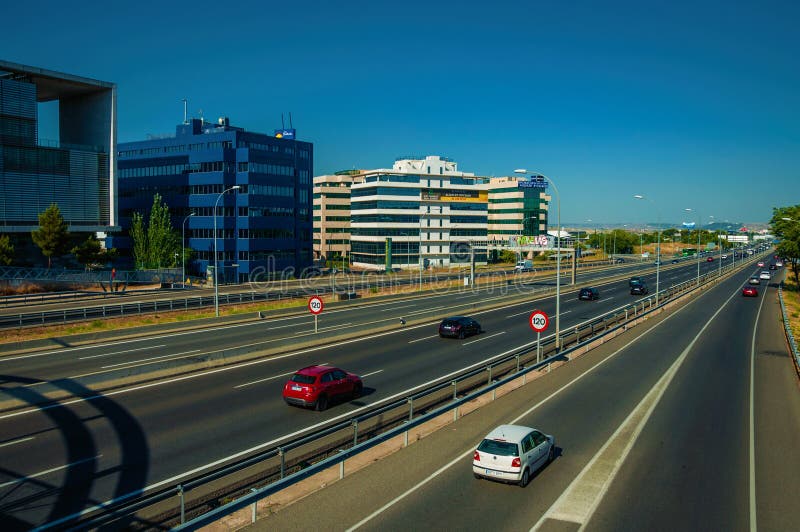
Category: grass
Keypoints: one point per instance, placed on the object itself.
(791, 298)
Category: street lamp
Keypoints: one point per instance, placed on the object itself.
(699, 224)
(216, 262)
(558, 254)
(183, 248)
(658, 243)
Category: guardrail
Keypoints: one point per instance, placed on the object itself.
(787, 327)
(274, 467)
(37, 319)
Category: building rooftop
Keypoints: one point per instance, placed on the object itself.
(52, 85)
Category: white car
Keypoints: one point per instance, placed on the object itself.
(779, 264)
(765, 275)
(512, 453)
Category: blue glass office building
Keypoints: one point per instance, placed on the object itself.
(263, 227)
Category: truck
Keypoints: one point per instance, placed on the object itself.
(523, 266)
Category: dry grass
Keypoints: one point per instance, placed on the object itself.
(791, 298)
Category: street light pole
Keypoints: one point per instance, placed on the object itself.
(183, 249)
(699, 224)
(658, 243)
(216, 262)
(558, 255)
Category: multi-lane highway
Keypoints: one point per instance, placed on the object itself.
(689, 423)
(58, 460)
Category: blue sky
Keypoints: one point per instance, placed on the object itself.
(693, 104)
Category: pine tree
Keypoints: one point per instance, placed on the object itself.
(52, 237)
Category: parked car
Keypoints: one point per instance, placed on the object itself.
(750, 291)
(589, 293)
(639, 289)
(754, 280)
(512, 453)
(317, 386)
(459, 327)
(765, 275)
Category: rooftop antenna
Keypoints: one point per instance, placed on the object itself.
(283, 124)
(290, 120)
(185, 103)
(201, 116)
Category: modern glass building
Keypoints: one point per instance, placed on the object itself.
(264, 227)
(516, 210)
(422, 212)
(74, 171)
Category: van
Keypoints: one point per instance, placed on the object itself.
(524, 266)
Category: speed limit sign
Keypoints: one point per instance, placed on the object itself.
(315, 305)
(538, 321)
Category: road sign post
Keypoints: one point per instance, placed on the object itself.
(539, 321)
(315, 306)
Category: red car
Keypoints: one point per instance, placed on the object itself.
(750, 291)
(317, 386)
(710, 259)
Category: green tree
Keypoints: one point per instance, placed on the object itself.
(508, 256)
(786, 226)
(139, 240)
(52, 237)
(162, 240)
(6, 250)
(91, 252)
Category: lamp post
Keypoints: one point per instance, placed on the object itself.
(216, 263)
(699, 224)
(658, 243)
(183, 249)
(558, 255)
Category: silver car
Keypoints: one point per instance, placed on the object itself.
(512, 453)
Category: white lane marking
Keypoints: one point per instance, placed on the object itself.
(752, 438)
(530, 311)
(175, 355)
(423, 338)
(10, 443)
(122, 352)
(42, 473)
(395, 308)
(484, 338)
(578, 503)
(265, 380)
(371, 373)
(469, 451)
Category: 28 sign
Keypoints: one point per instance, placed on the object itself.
(538, 321)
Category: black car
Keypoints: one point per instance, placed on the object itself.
(459, 327)
(773, 267)
(639, 289)
(634, 281)
(589, 293)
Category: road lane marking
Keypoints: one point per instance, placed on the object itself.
(176, 355)
(122, 352)
(423, 338)
(578, 503)
(395, 308)
(48, 471)
(371, 373)
(529, 311)
(484, 338)
(266, 379)
(752, 442)
(10, 443)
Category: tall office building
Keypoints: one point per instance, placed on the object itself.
(422, 212)
(332, 214)
(516, 209)
(75, 170)
(263, 227)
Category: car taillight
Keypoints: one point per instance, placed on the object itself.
(516, 462)
(476, 456)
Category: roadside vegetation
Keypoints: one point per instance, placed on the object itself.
(786, 227)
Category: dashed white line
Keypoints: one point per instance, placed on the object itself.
(423, 338)
(484, 338)
(10, 443)
(371, 373)
(123, 352)
(48, 471)
(175, 355)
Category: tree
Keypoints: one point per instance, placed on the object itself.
(91, 252)
(6, 250)
(52, 237)
(162, 240)
(508, 255)
(139, 239)
(786, 225)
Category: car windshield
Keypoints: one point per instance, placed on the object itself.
(501, 448)
(451, 323)
(303, 379)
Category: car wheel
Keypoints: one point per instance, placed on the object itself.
(357, 389)
(322, 403)
(552, 454)
(525, 478)
(461, 335)
(477, 476)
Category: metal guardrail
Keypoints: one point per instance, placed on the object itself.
(787, 327)
(335, 443)
(37, 319)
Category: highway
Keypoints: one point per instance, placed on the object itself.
(150, 434)
(689, 423)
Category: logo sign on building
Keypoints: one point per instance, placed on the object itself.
(470, 196)
(535, 182)
(521, 240)
(285, 134)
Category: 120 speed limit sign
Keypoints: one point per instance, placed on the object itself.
(315, 305)
(538, 321)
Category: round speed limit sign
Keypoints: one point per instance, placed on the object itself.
(538, 321)
(315, 305)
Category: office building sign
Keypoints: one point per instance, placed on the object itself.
(285, 134)
(535, 182)
(469, 196)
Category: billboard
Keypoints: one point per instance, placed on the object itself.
(533, 183)
(471, 196)
(285, 134)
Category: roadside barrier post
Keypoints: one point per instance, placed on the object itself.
(183, 503)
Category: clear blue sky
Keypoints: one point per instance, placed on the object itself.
(695, 104)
